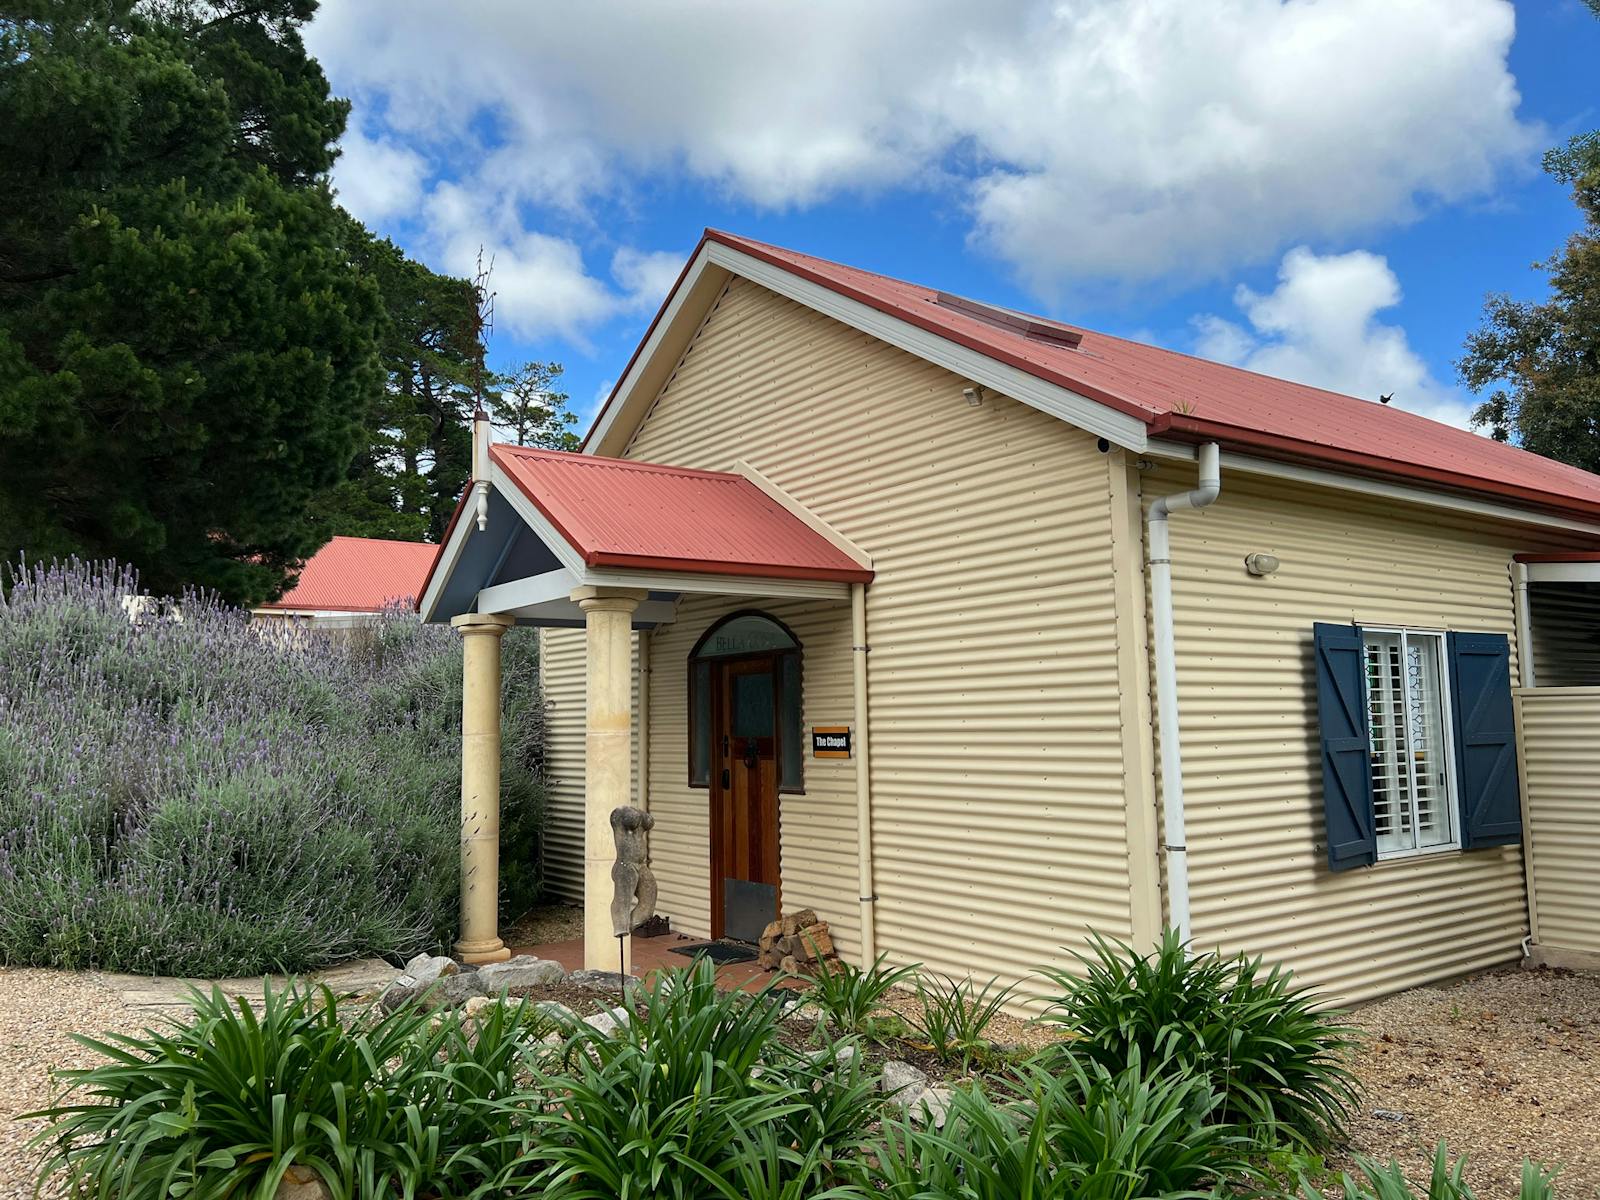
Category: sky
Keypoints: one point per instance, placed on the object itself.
(1323, 190)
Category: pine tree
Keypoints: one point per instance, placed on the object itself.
(531, 408)
(1543, 360)
(188, 343)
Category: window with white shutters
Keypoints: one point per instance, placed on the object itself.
(1413, 761)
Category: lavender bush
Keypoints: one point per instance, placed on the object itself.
(194, 796)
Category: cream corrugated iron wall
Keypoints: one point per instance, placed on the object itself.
(562, 672)
(1251, 758)
(999, 818)
(817, 830)
(1565, 620)
(1561, 781)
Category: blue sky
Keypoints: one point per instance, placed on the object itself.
(1321, 190)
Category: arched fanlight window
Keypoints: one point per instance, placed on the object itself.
(749, 636)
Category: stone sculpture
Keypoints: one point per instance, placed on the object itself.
(634, 898)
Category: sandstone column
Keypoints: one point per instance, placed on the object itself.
(480, 787)
(608, 621)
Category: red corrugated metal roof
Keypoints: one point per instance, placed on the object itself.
(623, 514)
(1191, 399)
(352, 574)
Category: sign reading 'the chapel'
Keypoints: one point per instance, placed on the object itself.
(830, 741)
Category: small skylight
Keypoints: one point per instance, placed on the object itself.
(1005, 318)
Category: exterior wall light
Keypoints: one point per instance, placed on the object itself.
(1261, 564)
(974, 394)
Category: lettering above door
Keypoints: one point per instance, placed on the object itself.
(830, 741)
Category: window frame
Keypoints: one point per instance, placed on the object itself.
(1452, 798)
(796, 652)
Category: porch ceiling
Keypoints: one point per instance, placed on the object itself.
(557, 522)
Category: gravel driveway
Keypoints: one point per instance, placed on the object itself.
(1502, 1065)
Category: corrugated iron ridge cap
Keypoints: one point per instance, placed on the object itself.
(569, 458)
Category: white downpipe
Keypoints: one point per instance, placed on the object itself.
(643, 801)
(1519, 575)
(1210, 486)
(859, 650)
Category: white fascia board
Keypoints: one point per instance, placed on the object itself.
(1062, 403)
(1563, 572)
(618, 401)
(1377, 487)
(803, 514)
(1059, 402)
(719, 585)
(449, 555)
(524, 593)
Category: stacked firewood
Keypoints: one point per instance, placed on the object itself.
(795, 941)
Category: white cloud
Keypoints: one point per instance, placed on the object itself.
(646, 277)
(540, 284)
(377, 179)
(1116, 139)
(1319, 326)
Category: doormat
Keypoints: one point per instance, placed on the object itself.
(721, 953)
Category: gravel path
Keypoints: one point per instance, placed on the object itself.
(1501, 1066)
(37, 1008)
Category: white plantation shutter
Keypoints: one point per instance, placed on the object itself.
(1411, 763)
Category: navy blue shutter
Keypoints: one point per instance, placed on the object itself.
(1486, 739)
(1346, 747)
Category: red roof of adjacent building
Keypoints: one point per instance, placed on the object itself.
(623, 514)
(352, 574)
(1190, 399)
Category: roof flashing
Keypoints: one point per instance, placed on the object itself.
(1034, 328)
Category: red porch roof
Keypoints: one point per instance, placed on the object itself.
(1191, 399)
(629, 515)
(352, 574)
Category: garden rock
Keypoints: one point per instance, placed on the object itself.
(398, 994)
(606, 981)
(301, 1183)
(451, 991)
(901, 1082)
(608, 1021)
(803, 1010)
(843, 1056)
(476, 1005)
(932, 1107)
(425, 968)
(524, 970)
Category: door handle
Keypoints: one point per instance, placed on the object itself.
(750, 753)
(726, 781)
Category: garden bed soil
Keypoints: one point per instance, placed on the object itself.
(545, 925)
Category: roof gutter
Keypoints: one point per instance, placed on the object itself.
(1171, 766)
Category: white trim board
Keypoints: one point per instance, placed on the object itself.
(1057, 401)
(1375, 487)
(1562, 572)
(801, 513)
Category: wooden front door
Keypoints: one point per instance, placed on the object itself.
(744, 796)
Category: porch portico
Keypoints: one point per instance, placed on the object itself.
(553, 539)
